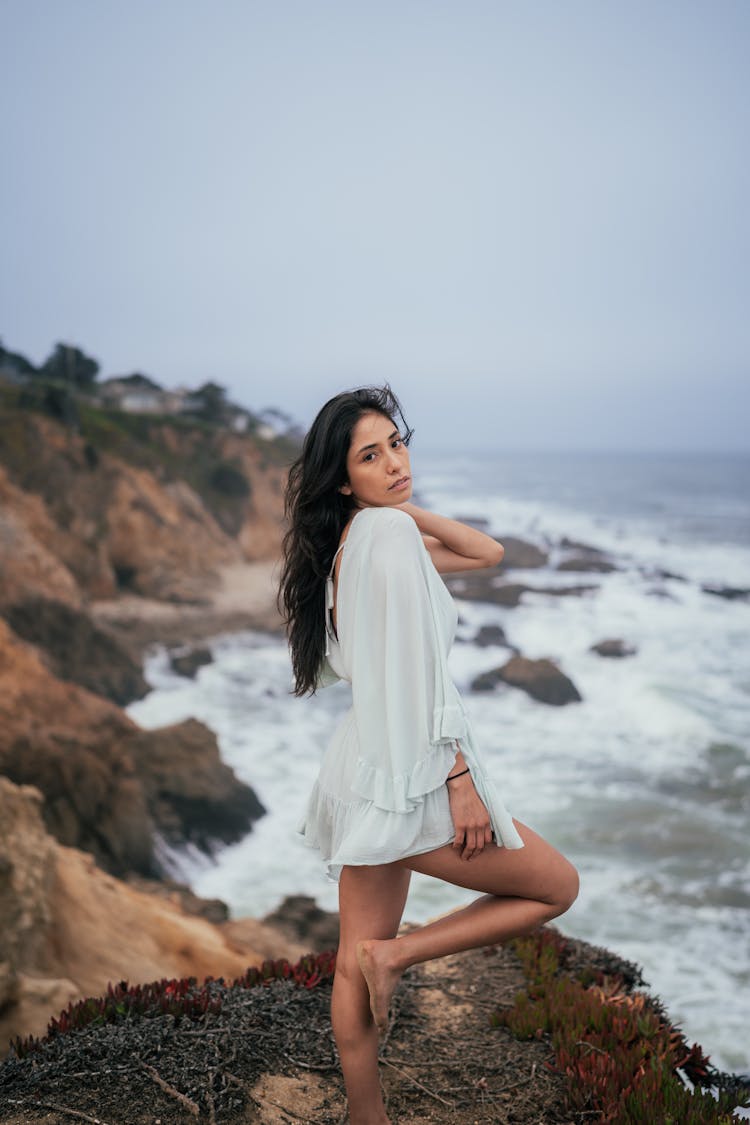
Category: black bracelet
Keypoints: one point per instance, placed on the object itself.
(452, 776)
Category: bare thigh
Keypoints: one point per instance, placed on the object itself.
(536, 871)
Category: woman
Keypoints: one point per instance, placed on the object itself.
(402, 786)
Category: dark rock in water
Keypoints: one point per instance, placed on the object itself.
(492, 589)
(733, 593)
(587, 563)
(576, 545)
(541, 679)
(613, 646)
(490, 635)
(192, 795)
(658, 572)
(485, 588)
(520, 553)
(660, 592)
(78, 650)
(299, 918)
(187, 663)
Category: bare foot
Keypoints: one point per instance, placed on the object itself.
(380, 978)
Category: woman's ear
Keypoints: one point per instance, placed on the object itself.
(345, 489)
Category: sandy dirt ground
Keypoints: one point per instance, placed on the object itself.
(243, 596)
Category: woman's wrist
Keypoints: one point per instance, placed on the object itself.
(453, 776)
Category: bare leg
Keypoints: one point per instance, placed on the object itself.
(523, 888)
(371, 902)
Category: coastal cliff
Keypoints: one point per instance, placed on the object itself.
(110, 520)
(127, 503)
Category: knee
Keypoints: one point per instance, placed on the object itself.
(347, 966)
(566, 889)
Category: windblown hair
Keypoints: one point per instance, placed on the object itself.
(317, 514)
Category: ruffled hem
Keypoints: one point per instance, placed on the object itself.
(401, 793)
(359, 833)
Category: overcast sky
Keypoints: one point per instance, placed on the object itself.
(531, 218)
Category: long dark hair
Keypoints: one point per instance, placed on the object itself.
(317, 514)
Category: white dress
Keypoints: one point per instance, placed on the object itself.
(381, 793)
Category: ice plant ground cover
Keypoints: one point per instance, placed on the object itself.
(618, 1050)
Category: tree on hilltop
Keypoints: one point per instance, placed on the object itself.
(70, 365)
(15, 362)
(208, 402)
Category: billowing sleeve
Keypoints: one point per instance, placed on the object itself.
(406, 707)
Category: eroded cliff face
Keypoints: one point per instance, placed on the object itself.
(109, 786)
(31, 547)
(69, 928)
(148, 507)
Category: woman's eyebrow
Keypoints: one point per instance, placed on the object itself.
(375, 444)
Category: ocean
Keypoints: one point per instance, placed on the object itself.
(644, 785)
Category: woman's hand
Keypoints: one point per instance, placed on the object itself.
(454, 546)
(470, 817)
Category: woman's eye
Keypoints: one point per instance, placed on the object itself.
(397, 442)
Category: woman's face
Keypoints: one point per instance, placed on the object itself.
(377, 464)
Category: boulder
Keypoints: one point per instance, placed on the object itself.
(186, 662)
(521, 554)
(541, 679)
(576, 545)
(588, 563)
(490, 635)
(300, 919)
(191, 794)
(731, 593)
(613, 646)
(485, 588)
(489, 588)
(77, 649)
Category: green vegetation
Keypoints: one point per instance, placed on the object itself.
(616, 1048)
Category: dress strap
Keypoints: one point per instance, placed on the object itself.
(333, 564)
(329, 598)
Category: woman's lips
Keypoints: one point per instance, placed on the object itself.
(401, 483)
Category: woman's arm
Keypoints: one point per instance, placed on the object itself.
(452, 545)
